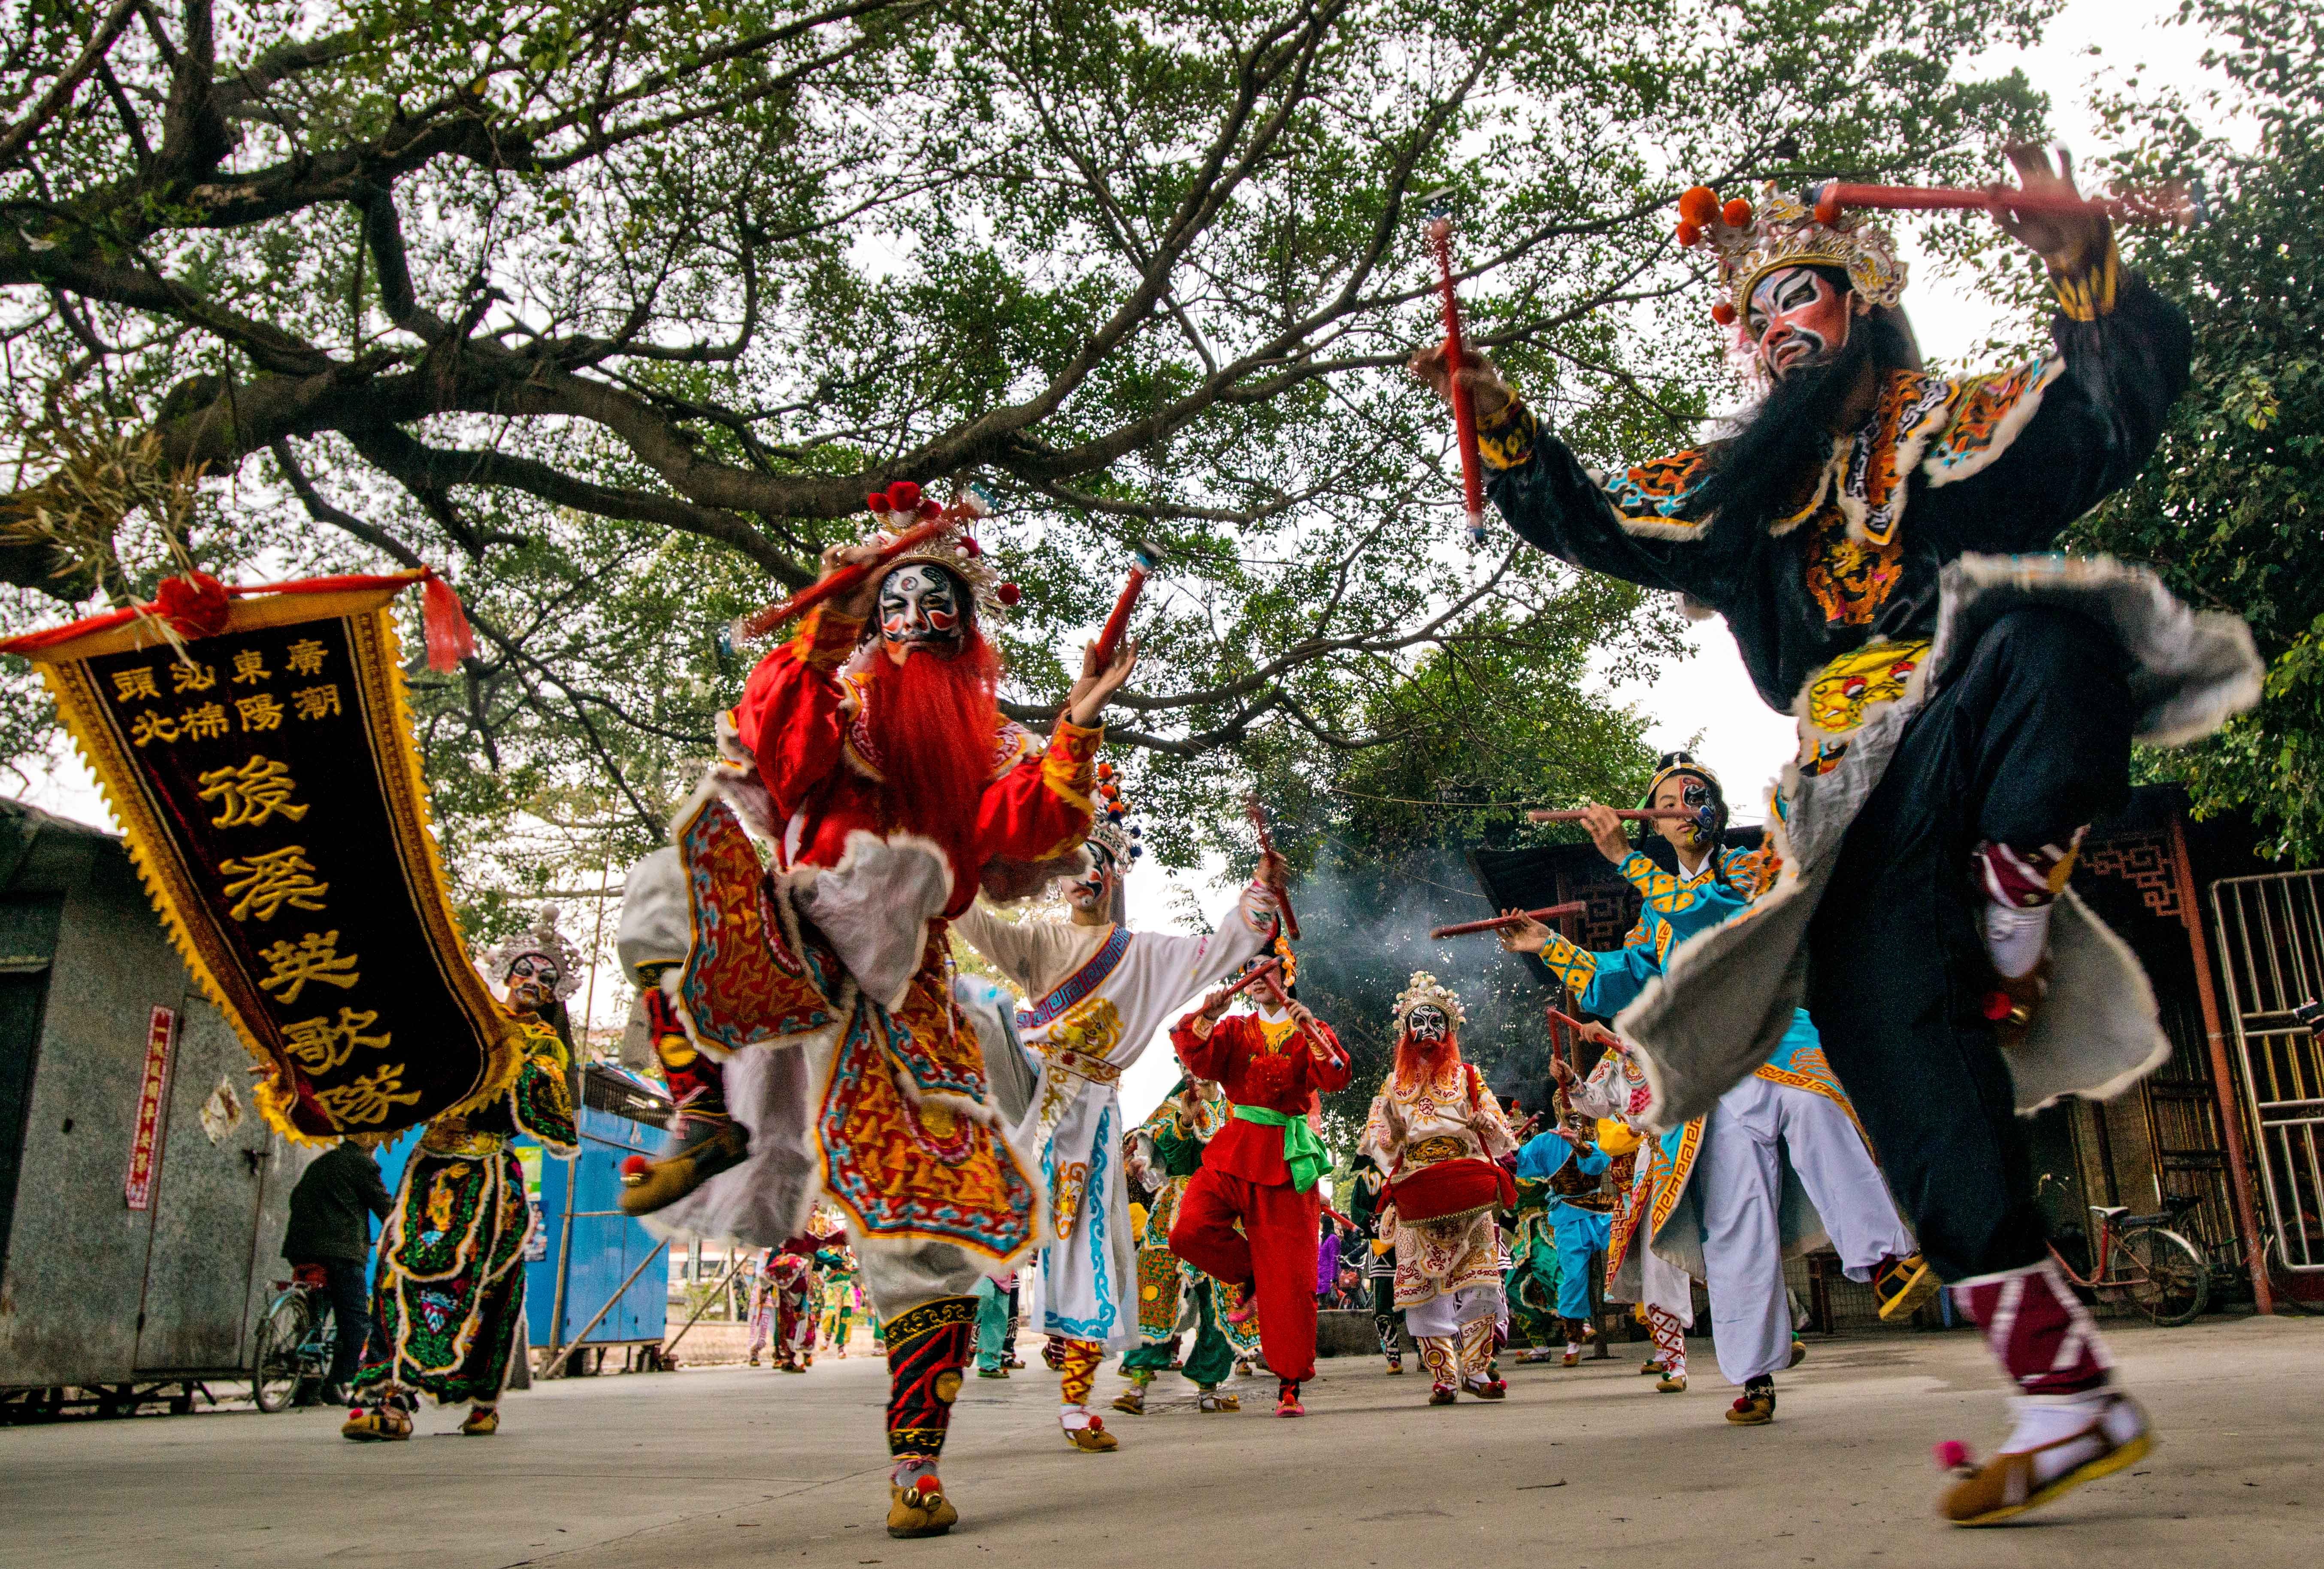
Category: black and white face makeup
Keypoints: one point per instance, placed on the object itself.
(1795, 318)
(532, 980)
(1427, 1023)
(920, 607)
(1093, 890)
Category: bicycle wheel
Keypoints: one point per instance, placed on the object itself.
(2163, 1274)
(276, 1365)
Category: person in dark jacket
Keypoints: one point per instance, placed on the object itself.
(331, 1212)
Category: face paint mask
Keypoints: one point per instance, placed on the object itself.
(920, 607)
(1795, 318)
(1094, 888)
(532, 978)
(1427, 1022)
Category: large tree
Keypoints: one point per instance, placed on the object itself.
(614, 310)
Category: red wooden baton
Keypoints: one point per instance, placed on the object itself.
(1548, 912)
(1464, 413)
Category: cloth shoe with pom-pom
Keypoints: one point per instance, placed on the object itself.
(1671, 1384)
(1092, 1438)
(2060, 1443)
(482, 1422)
(1756, 1405)
(1217, 1401)
(378, 1424)
(1287, 1400)
(920, 1509)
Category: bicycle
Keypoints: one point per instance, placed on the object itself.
(292, 1356)
(2142, 1260)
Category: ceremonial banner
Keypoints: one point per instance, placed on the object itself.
(266, 776)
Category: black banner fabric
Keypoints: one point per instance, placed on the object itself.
(267, 780)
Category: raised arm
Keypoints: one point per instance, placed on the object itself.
(1040, 808)
(1205, 1047)
(790, 716)
(1243, 934)
(2034, 449)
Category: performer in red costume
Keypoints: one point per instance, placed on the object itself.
(1261, 1170)
(839, 1058)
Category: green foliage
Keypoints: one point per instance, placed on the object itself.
(2231, 510)
(616, 313)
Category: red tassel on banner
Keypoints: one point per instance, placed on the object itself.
(450, 639)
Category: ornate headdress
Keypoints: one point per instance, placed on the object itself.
(1785, 232)
(1114, 829)
(1426, 988)
(902, 506)
(544, 940)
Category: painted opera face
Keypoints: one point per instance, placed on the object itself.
(532, 981)
(1682, 789)
(1093, 890)
(1428, 1025)
(1795, 316)
(922, 606)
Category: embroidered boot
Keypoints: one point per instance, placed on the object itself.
(1900, 1285)
(927, 1346)
(2072, 1424)
(1479, 1376)
(1756, 1405)
(1441, 1355)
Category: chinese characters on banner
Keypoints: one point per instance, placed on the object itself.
(270, 789)
(153, 1095)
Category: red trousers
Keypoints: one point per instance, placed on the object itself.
(1275, 1252)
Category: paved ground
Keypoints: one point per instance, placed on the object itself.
(1582, 1469)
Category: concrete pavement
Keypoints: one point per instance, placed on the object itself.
(724, 1467)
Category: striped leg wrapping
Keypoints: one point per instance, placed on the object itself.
(927, 1348)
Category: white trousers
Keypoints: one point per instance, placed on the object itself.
(1738, 1184)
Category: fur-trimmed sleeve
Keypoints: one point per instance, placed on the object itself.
(1624, 524)
(2026, 453)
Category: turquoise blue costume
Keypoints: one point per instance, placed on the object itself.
(1675, 910)
(1580, 1233)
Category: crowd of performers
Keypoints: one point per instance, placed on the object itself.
(1870, 532)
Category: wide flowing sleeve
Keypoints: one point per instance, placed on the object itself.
(1383, 1137)
(1012, 947)
(1625, 525)
(1208, 1055)
(1196, 964)
(790, 716)
(2025, 453)
(1040, 808)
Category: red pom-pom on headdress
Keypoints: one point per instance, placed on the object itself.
(1736, 213)
(1723, 313)
(1698, 205)
(903, 496)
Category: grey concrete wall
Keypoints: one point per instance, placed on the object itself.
(94, 1290)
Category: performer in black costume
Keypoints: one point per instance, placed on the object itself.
(1965, 710)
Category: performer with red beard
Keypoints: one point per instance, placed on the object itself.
(1262, 1171)
(1439, 1134)
(836, 1055)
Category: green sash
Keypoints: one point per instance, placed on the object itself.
(1302, 1150)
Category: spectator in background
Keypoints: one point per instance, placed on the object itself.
(1327, 1263)
(331, 1212)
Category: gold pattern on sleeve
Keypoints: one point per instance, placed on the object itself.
(2089, 291)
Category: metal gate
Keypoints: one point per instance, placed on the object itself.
(2272, 950)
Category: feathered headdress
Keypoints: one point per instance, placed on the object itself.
(549, 943)
(903, 506)
(1426, 988)
(1785, 232)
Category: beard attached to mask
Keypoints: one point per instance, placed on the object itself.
(1418, 1061)
(1763, 470)
(932, 721)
